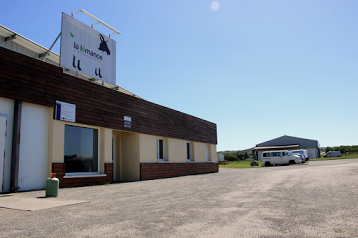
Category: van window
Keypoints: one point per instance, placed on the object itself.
(266, 155)
(275, 154)
(285, 153)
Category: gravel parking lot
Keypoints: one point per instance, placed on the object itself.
(317, 199)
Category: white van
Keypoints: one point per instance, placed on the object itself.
(279, 157)
(303, 153)
(333, 154)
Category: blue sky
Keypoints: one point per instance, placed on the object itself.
(258, 69)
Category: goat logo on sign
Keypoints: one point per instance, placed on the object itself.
(103, 46)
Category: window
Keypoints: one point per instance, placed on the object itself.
(81, 150)
(160, 149)
(266, 155)
(275, 154)
(188, 151)
(207, 155)
(285, 153)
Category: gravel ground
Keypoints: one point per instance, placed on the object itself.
(318, 199)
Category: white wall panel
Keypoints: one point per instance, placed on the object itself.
(3, 119)
(33, 147)
(7, 108)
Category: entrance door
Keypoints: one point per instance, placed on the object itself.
(3, 119)
(114, 157)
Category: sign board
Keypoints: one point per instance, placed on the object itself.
(87, 51)
(127, 122)
(65, 111)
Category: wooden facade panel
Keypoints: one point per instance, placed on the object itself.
(30, 80)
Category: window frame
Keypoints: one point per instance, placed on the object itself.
(98, 151)
(189, 152)
(266, 155)
(158, 149)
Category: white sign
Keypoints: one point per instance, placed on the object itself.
(127, 122)
(65, 111)
(87, 51)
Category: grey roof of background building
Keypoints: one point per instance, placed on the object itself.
(288, 141)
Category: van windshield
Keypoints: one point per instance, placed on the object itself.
(298, 152)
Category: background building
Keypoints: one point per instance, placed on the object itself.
(289, 143)
(115, 135)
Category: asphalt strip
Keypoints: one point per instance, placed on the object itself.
(30, 203)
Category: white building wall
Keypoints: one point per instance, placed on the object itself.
(312, 153)
(33, 147)
(259, 155)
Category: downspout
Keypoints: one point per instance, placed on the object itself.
(15, 155)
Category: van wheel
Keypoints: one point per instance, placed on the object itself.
(267, 163)
(292, 162)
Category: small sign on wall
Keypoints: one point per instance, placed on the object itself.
(65, 111)
(127, 122)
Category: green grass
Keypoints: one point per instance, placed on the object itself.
(239, 164)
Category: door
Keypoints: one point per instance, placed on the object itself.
(3, 119)
(33, 147)
(285, 157)
(276, 158)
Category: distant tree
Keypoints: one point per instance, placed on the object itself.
(239, 156)
(230, 157)
(328, 149)
(343, 149)
(246, 155)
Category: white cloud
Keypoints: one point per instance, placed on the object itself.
(215, 6)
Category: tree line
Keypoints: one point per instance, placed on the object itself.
(236, 156)
(343, 149)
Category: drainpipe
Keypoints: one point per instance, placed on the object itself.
(14, 180)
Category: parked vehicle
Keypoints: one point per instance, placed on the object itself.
(303, 153)
(333, 154)
(303, 160)
(279, 157)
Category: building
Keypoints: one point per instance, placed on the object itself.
(115, 135)
(288, 143)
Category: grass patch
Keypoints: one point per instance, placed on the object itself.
(239, 164)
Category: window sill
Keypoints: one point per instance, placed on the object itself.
(190, 161)
(84, 176)
(163, 161)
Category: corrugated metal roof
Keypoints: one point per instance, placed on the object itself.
(289, 140)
